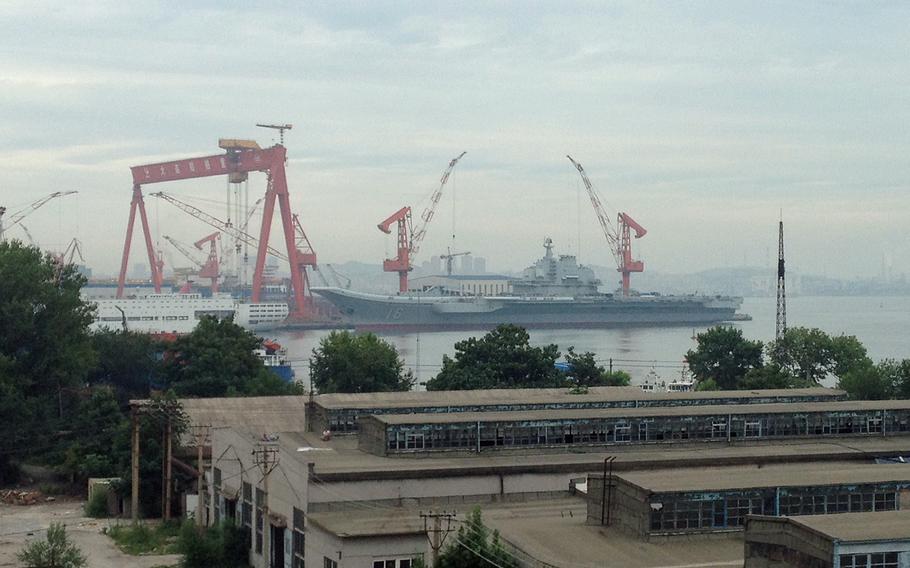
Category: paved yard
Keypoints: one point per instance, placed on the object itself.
(21, 524)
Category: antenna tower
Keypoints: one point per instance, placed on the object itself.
(781, 287)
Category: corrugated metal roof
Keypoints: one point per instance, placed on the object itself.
(773, 475)
(537, 396)
(594, 413)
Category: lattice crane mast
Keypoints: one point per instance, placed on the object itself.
(17, 217)
(620, 242)
(66, 258)
(409, 237)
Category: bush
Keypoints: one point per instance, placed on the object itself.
(96, 507)
(224, 546)
(140, 539)
(54, 552)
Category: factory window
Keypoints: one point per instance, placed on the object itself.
(885, 501)
(875, 560)
(299, 539)
(719, 430)
(247, 511)
(414, 441)
(874, 424)
(328, 562)
(738, 508)
(623, 432)
(753, 429)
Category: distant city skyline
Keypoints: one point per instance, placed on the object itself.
(701, 121)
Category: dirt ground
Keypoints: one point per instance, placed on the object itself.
(20, 524)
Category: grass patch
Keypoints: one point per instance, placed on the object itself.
(146, 538)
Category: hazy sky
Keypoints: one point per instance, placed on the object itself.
(701, 120)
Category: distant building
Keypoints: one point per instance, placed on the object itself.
(467, 264)
(466, 284)
(435, 265)
(140, 271)
(480, 265)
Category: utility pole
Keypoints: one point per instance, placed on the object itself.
(168, 454)
(436, 535)
(201, 437)
(266, 457)
(781, 287)
(134, 464)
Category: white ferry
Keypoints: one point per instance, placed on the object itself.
(179, 313)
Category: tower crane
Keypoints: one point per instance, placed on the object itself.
(17, 217)
(185, 251)
(620, 242)
(449, 259)
(410, 237)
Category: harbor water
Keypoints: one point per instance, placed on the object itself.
(881, 323)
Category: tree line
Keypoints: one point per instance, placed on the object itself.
(803, 357)
(65, 390)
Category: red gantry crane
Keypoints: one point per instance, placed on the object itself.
(210, 268)
(620, 242)
(240, 158)
(409, 238)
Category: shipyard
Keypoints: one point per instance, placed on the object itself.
(454, 285)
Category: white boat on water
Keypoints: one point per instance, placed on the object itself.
(653, 383)
(179, 313)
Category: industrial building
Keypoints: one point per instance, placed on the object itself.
(391, 434)
(850, 540)
(686, 501)
(466, 284)
(339, 412)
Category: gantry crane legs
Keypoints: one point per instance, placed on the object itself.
(233, 161)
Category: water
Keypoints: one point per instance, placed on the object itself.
(882, 324)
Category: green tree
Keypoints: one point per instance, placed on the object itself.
(96, 425)
(45, 351)
(767, 377)
(725, 356)
(503, 358)
(54, 552)
(348, 362)
(585, 372)
(126, 362)
(886, 379)
(218, 359)
(475, 546)
(811, 354)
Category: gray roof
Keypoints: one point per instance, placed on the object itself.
(654, 411)
(377, 522)
(541, 396)
(771, 475)
(859, 527)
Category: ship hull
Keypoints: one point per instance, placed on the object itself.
(369, 311)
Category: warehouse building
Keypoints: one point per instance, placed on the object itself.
(686, 501)
(339, 413)
(393, 434)
(851, 540)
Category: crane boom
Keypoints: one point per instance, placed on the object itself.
(427, 215)
(217, 223)
(17, 217)
(185, 251)
(620, 242)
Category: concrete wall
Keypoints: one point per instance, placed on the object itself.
(776, 543)
(629, 507)
(361, 552)
(442, 490)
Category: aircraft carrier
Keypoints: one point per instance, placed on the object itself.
(555, 292)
